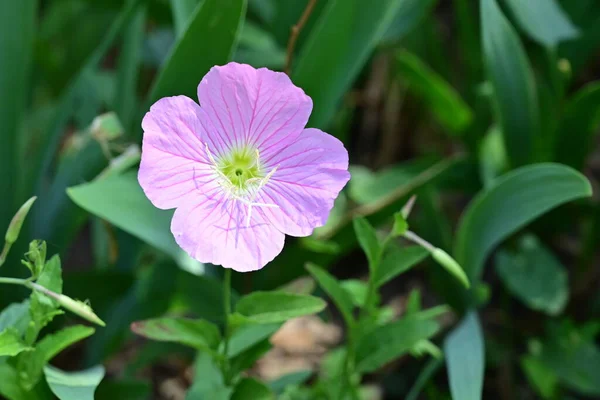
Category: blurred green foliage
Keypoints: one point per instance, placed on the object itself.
(486, 110)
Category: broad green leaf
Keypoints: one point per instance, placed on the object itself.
(121, 201)
(535, 276)
(388, 342)
(464, 349)
(199, 334)
(249, 335)
(16, 316)
(332, 287)
(336, 50)
(79, 385)
(209, 39)
(544, 21)
(408, 17)
(492, 156)
(11, 343)
(208, 380)
(271, 307)
(397, 260)
(511, 76)
(444, 102)
(31, 363)
(367, 238)
(252, 389)
(516, 199)
(578, 126)
(17, 29)
(182, 10)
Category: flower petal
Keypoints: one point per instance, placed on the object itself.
(174, 161)
(255, 107)
(214, 230)
(310, 174)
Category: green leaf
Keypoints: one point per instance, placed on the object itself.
(246, 359)
(16, 316)
(332, 287)
(444, 102)
(511, 76)
(358, 291)
(515, 200)
(541, 378)
(32, 363)
(209, 39)
(79, 385)
(252, 389)
(17, 30)
(408, 17)
(121, 201)
(199, 334)
(291, 379)
(544, 21)
(464, 350)
(388, 342)
(208, 380)
(336, 50)
(368, 241)
(11, 343)
(578, 126)
(271, 307)
(400, 225)
(182, 10)
(574, 359)
(9, 383)
(535, 276)
(43, 308)
(397, 260)
(249, 335)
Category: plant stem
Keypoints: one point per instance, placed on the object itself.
(295, 33)
(226, 312)
(4, 253)
(14, 281)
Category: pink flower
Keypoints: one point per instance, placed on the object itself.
(240, 168)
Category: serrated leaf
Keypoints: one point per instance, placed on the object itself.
(464, 349)
(368, 241)
(388, 342)
(515, 200)
(333, 288)
(43, 308)
(271, 307)
(512, 78)
(252, 389)
(79, 385)
(11, 343)
(397, 260)
(199, 334)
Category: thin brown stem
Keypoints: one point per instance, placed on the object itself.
(295, 32)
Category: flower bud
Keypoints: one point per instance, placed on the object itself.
(79, 308)
(450, 265)
(12, 234)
